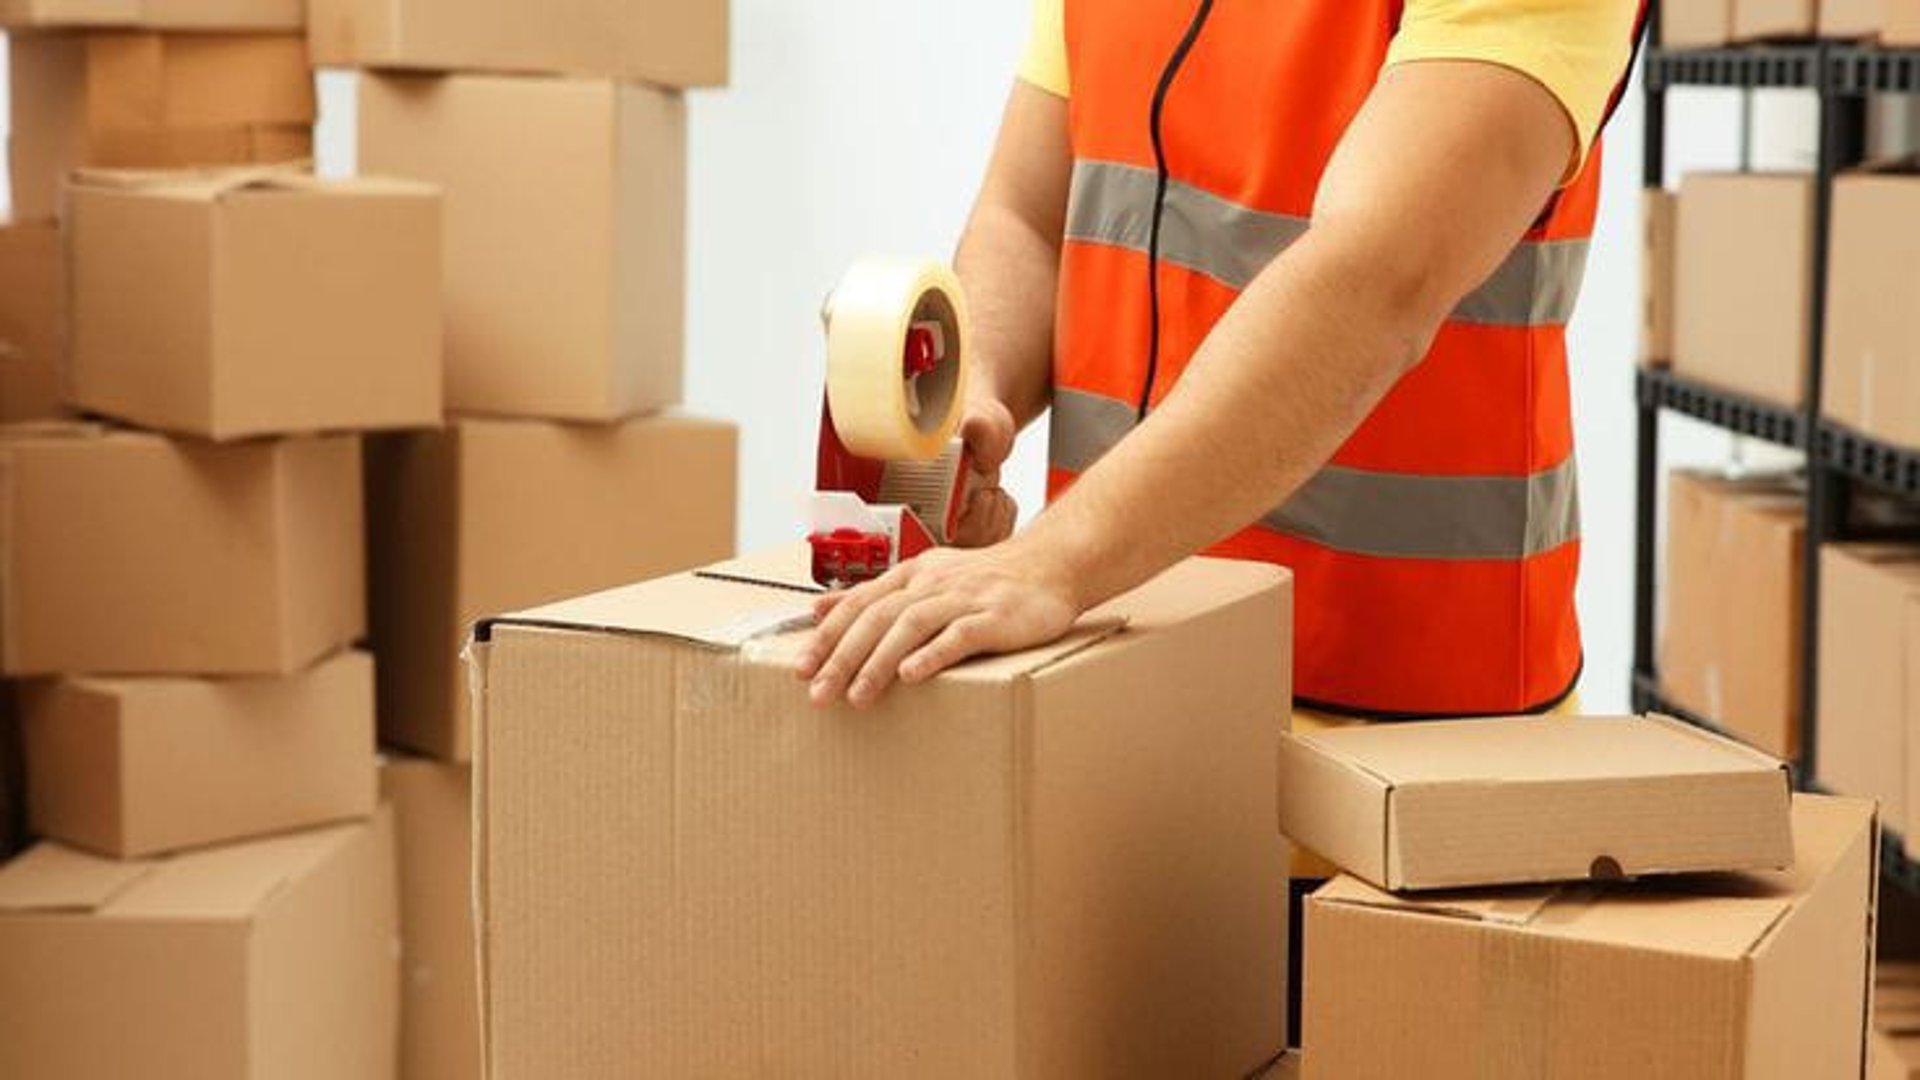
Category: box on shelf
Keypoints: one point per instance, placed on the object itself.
(1771, 20)
(32, 325)
(1899, 24)
(191, 315)
(130, 553)
(1741, 271)
(1893, 1044)
(1869, 622)
(1718, 977)
(679, 43)
(439, 1002)
(564, 232)
(1657, 212)
(143, 766)
(148, 100)
(1451, 803)
(224, 15)
(488, 516)
(1730, 648)
(1696, 24)
(272, 958)
(1872, 357)
(1852, 18)
(686, 869)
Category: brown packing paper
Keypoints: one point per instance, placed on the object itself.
(676, 43)
(684, 869)
(32, 321)
(1741, 296)
(565, 286)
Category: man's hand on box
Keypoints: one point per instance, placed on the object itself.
(930, 613)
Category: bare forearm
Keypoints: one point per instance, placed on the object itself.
(1009, 269)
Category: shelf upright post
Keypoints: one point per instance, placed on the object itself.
(1653, 153)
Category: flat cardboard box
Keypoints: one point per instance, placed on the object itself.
(1696, 24)
(150, 100)
(1059, 863)
(1730, 644)
(1774, 20)
(127, 553)
(144, 766)
(1870, 607)
(271, 960)
(1852, 18)
(227, 15)
(1741, 271)
(190, 316)
(439, 996)
(32, 320)
(1872, 368)
(488, 516)
(1751, 975)
(678, 43)
(1658, 208)
(1453, 803)
(564, 233)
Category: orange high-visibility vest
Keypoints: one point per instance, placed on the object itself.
(1435, 556)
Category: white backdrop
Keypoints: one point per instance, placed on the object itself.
(858, 126)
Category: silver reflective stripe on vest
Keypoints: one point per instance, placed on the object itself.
(1362, 512)
(1112, 204)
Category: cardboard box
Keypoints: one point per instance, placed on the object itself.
(1872, 369)
(1772, 20)
(1658, 207)
(1027, 867)
(565, 235)
(13, 779)
(1852, 18)
(1751, 975)
(1696, 24)
(32, 321)
(679, 43)
(1741, 273)
(156, 14)
(143, 766)
(268, 959)
(489, 516)
(1870, 609)
(1730, 646)
(439, 999)
(149, 100)
(129, 553)
(1451, 803)
(1893, 1043)
(190, 316)
(1287, 1068)
(1900, 23)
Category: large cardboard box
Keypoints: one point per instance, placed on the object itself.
(271, 960)
(1872, 358)
(1767, 20)
(1658, 209)
(32, 320)
(148, 100)
(1059, 863)
(129, 553)
(255, 302)
(1870, 609)
(564, 231)
(1750, 975)
(1741, 271)
(1730, 646)
(1696, 24)
(679, 43)
(489, 516)
(143, 766)
(439, 1000)
(1452, 803)
(156, 14)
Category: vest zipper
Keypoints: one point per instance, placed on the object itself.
(1162, 178)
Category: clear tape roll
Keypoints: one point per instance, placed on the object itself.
(879, 410)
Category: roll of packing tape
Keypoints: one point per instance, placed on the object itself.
(896, 358)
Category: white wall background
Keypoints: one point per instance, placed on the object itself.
(857, 126)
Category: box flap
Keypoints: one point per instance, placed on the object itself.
(54, 878)
(229, 882)
(1516, 906)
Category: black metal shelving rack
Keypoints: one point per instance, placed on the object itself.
(1841, 75)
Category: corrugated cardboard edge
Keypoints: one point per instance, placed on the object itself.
(474, 657)
(1301, 754)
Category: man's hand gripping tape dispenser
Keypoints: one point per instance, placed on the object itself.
(891, 476)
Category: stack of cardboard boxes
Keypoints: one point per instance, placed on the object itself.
(1699, 24)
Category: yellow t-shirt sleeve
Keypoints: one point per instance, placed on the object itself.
(1044, 63)
(1577, 49)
